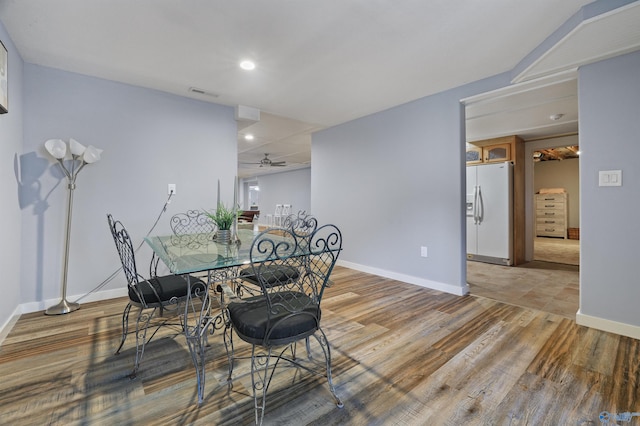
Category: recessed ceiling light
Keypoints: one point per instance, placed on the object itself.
(248, 137)
(247, 65)
(556, 117)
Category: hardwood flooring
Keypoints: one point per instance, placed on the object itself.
(402, 355)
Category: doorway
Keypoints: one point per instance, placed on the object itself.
(549, 280)
(557, 173)
(537, 284)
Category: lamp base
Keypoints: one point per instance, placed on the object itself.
(63, 307)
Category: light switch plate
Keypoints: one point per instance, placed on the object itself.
(610, 178)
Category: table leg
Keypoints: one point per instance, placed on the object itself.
(204, 323)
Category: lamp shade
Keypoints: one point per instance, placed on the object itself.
(56, 147)
(91, 154)
(76, 147)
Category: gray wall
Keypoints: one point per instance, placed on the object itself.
(609, 101)
(393, 182)
(149, 139)
(11, 125)
(292, 187)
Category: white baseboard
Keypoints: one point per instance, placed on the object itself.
(9, 323)
(26, 308)
(434, 285)
(610, 326)
(92, 297)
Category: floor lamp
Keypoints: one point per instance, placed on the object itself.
(80, 157)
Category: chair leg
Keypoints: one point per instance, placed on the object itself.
(125, 326)
(141, 335)
(259, 381)
(306, 341)
(324, 344)
(228, 345)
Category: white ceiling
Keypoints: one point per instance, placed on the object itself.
(319, 63)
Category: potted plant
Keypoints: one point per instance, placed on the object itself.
(224, 218)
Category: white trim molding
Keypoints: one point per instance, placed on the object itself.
(8, 325)
(27, 308)
(610, 326)
(434, 285)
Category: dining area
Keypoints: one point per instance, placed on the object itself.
(400, 354)
(249, 287)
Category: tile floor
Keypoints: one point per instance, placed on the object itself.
(543, 285)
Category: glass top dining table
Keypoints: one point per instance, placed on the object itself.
(192, 253)
(189, 253)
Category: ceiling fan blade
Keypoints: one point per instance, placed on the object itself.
(279, 163)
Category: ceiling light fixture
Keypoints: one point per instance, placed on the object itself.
(556, 117)
(248, 137)
(247, 65)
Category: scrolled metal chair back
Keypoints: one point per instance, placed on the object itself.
(302, 225)
(324, 246)
(275, 259)
(126, 252)
(192, 229)
(293, 272)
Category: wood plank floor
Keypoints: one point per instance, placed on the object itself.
(402, 355)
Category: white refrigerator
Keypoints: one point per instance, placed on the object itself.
(489, 210)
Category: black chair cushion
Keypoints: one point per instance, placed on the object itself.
(250, 319)
(274, 275)
(167, 287)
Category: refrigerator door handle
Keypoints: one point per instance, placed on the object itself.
(480, 205)
(475, 205)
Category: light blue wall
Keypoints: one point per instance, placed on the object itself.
(609, 101)
(285, 188)
(393, 182)
(149, 138)
(11, 125)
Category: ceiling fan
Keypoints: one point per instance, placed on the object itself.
(266, 162)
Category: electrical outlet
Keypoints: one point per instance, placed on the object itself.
(423, 251)
(171, 188)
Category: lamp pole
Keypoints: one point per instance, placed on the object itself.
(64, 306)
(83, 156)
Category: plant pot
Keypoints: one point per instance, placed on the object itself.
(223, 236)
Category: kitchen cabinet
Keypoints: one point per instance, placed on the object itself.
(474, 154)
(491, 153)
(498, 153)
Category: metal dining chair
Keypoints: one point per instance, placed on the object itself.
(157, 294)
(285, 310)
